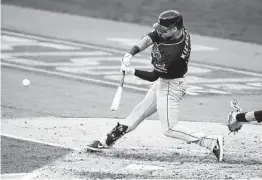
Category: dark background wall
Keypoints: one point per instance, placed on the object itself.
(233, 19)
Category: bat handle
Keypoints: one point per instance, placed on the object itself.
(122, 79)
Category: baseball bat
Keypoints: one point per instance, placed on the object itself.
(118, 95)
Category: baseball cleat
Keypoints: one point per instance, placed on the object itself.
(233, 124)
(219, 149)
(95, 146)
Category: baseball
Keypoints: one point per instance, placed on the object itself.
(26, 82)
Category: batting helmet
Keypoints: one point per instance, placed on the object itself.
(169, 19)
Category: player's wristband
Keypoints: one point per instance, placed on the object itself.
(134, 50)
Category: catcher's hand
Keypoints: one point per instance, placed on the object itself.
(232, 123)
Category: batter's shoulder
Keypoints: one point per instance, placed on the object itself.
(154, 35)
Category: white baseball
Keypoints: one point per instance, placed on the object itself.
(26, 82)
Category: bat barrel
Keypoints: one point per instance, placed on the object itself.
(118, 95)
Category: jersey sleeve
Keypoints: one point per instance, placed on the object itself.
(146, 75)
(154, 36)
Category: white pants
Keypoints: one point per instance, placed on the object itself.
(164, 97)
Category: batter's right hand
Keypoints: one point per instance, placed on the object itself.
(127, 59)
(128, 70)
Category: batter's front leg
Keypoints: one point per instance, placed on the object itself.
(144, 109)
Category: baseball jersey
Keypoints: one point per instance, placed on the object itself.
(170, 57)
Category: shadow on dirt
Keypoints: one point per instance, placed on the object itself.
(173, 156)
(19, 156)
(105, 175)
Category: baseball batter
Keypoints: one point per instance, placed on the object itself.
(170, 56)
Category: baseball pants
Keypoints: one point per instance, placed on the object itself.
(164, 97)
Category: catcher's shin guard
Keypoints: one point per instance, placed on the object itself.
(115, 134)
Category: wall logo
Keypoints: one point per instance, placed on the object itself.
(97, 64)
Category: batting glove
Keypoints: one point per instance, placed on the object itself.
(128, 70)
(127, 59)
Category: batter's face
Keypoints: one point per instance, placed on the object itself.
(167, 33)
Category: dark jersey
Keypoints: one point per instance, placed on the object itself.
(170, 57)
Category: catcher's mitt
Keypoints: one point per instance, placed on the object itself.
(233, 124)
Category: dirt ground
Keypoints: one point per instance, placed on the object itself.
(167, 164)
(234, 19)
(141, 154)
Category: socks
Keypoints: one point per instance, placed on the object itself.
(207, 142)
